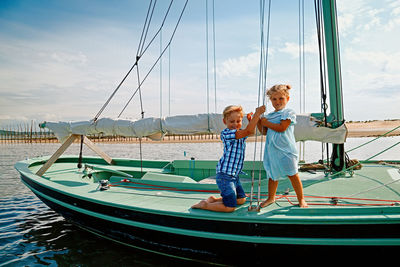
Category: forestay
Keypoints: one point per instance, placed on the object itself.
(306, 128)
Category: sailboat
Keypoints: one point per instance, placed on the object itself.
(147, 204)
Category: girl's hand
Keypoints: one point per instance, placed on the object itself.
(278, 127)
(260, 110)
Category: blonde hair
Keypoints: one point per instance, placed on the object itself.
(281, 88)
(232, 108)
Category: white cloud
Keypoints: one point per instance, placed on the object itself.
(355, 16)
(241, 66)
(392, 24)
(387, 62)
(310, 47)
(396, 11)
(69, 58)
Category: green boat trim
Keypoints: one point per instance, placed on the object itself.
(251, 239)
(174, 198)
(316, 185)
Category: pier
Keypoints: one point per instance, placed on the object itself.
(32, 133)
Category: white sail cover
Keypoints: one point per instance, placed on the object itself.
(306, 127)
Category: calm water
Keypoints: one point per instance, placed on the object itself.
(33, 235)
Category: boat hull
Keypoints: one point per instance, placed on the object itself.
(213, 240)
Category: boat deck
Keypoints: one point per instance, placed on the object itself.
(158, 189)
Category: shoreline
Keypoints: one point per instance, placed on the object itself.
(373, 128)
(355, 130)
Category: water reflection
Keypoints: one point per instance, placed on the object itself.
(32, 234)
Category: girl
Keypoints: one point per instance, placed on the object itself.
(280, 155)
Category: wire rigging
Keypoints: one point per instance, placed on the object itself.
(207, 80)
(169, 81)
(161, 75)
(132, 67)
(320, 34)
(264, 45)
(215, 65)
(302, 81)
(146, 28)
(208, 56)
(158, 31)
(156, 61)
(301, 72)
(142, 48)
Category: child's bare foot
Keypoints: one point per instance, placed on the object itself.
(211, 199)
(267, 202)
(303, 204)
(201, 205)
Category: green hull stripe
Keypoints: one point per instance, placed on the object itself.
(251, 239)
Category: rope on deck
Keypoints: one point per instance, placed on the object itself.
(331, 201)
(359, 163)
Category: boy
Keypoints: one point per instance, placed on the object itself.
(231, 163)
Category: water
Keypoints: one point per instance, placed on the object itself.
(33, 235)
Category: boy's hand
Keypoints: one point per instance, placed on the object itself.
(249, 116)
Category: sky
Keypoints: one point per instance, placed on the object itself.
(62, 60)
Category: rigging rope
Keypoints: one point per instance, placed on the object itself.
(161, 75)
(155, 63)
(141, 51)
(332, 200)
(215, 65)
(261, 91)
(145, 28)
(301, 73)
(141, 43)
(207, 80)
(169, 81)
(354, 148)
(158, 31)
(207, 63)
(324, 106)
(207, 57)
(350, 168)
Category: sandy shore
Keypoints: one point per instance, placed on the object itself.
(373, 128)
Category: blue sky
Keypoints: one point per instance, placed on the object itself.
(61, 60)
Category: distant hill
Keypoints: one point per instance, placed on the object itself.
(3, 132)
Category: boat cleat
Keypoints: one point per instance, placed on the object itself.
(334, 201)
(87, 172)
(103, 185)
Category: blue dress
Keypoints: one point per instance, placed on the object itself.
(280, 154)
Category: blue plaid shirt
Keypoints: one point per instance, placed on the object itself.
(231, 162)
